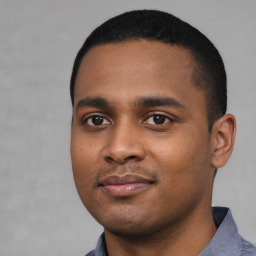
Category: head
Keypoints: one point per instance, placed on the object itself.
(149, 125)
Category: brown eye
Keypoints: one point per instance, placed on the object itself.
(157, 119)
(97, 121)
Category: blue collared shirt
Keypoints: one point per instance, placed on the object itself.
(225, 242)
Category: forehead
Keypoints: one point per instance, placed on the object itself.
(136, 56)
(136, 68)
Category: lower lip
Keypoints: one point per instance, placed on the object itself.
(125, 189)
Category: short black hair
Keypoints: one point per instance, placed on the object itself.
(152, 25)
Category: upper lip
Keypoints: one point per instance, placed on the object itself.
(125, 179)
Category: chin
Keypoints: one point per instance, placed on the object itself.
(129, 231)
(130, 226)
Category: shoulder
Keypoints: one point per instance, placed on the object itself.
(248, 249)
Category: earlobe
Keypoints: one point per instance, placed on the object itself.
(223, 136)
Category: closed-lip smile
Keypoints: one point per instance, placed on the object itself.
(123, 186)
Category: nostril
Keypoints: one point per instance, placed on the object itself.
(108, 159)
(130, 158)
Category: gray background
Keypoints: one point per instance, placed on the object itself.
(40, 211)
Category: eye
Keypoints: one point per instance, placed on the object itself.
(97, 120)
(157, 119)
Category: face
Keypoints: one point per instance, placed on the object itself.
(140, 146)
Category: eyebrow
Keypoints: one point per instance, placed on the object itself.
(150, 101)
(97, 102)
(156, 101)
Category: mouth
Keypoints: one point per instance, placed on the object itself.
(123, 186)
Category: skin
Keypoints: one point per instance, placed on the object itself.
(168, 146)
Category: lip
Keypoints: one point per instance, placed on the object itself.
(127, 185)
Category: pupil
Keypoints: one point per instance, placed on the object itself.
(97, 120)
(159, 119)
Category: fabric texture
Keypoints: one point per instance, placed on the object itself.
(225, 242)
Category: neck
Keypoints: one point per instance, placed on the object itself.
(187, 238)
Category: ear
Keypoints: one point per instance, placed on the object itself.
(223, 137)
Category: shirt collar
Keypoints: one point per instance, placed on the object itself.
(226, 240)
(101, 249)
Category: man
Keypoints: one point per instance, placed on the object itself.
(149, 132)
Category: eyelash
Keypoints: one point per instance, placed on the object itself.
(152, 115)
(85, 120)
(149, 115)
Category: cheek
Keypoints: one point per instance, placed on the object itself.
(183, 158)
(84, 158)
(183, 173)
(85, 164)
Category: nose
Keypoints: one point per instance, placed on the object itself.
(124, 145)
